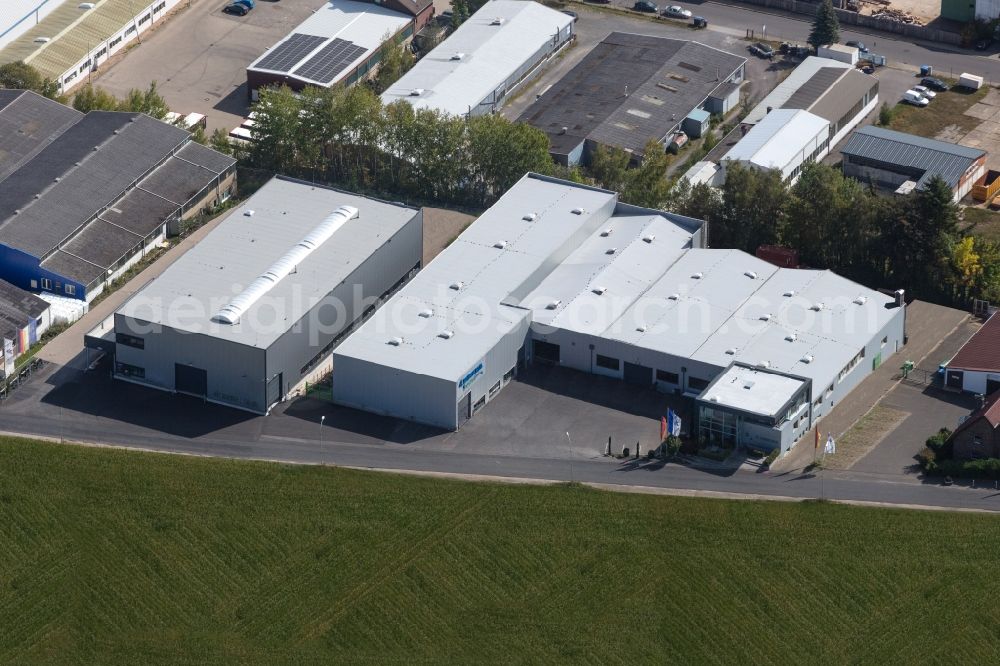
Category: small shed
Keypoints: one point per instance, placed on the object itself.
(696, 123)
(724, 98)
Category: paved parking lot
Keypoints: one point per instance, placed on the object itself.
(199, 57)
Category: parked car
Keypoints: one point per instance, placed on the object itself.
(676, 11)
(915, 98)
(983, 44)
(699, 22)
(858, 45)
(934, 83)
(568, 12)
(236, 9)
(646, 7)
(763, 50)
(925, 91)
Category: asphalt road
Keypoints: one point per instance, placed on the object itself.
(65, 404)
(900, 51)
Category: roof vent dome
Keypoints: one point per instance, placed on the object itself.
(530, 217)
(648, 238)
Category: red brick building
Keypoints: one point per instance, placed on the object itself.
(979, 435)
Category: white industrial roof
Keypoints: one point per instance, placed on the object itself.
(777, 138)
(752, 390)
(716, 306)
(251, 240)
(491, 280)
(494, 42)
(784, 90)
(362, 23)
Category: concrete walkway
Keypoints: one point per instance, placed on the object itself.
(927, 325)
(66, 346)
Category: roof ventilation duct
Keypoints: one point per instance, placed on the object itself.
(649, 238)
(808, 358)
(457, 56)
(456, 285)
(530, 217)
(860, 300)
(416, 92)
(599, 290)
(697, 276)
(552, 305)
(426, 314)
(446, 334)
(751, 275)
(395, 342)
(232, 311)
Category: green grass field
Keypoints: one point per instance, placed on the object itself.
(110, 557)
(946, 110)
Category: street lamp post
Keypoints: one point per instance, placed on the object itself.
(570, 441)
(321, 420)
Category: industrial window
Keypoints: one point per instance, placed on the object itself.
(70, 290)
(697, 383)
(46, 284)
(100, 53)
(608, 362)
(144, 19)
(508, 375)
(885, 340)
(850, 366)
(34, 284)
(130, 30)
(669, 377)
(115, 42)
(128, 370)
(159, 7)
(130, 340)
(494, 388)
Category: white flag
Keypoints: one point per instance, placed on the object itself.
(831, 445)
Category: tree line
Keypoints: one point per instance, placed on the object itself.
(347, 137)
(918, 242)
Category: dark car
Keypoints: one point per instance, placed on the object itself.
(763, 50)
(983, 44)
(934, 83)
(646, 7)
(236, 9)
(699, 22)
(858, 45)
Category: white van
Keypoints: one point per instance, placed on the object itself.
(915, 98)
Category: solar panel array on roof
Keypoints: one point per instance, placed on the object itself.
(330, 60)
(290, 52)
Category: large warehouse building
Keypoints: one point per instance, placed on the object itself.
(76, 37)
(474, 70)
(631, 89)
(563, 273)
(340, 43)
(254, 309)
(83, 197)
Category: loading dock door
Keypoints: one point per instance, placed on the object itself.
(638, 374)
(191, 380)
(274, 390)
(955, 379)
(464, 408)
(546, 351)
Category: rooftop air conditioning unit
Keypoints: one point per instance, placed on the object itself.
(457, 56)
(416, 92)
(606, 233)
(552, 305)
(751, 275)
(456, 285)
(446, 334)
(648, 238)
(426, 314)
(530, 217)
(500, 245)
(599, 290)
(395, 342)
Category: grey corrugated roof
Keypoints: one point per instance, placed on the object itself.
(908, 151)
(177, 181)
(814, 88)
(843, 95)
(139, 212)
(664, 80)
(28, 122)
(17, 308)
(203, 156)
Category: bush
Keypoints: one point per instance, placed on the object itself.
(987, 468)
(772, 456)
(885, 114)
(672, 445)
(927, 459)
